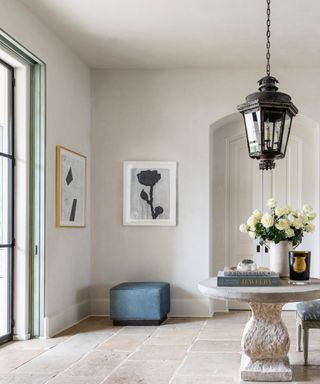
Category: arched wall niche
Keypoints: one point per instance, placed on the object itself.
(227, 128)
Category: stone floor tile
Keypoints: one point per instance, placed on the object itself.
(143, 372)
(13, 378)
(221, 333)
(160, 352)
(216, 346)
(12, 359)
(180, 351)
(296, 358)
(212, 364)
(74, 330)
(204, 380)
(172, 336)
(48, 363)
(306, 374)
(232, 316)
(98, 362)
(92, 325)
(139, 329)
(80, 344)
(184, 322)
(63, 379)
(123, 342)
(41, 344)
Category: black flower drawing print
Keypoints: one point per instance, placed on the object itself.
(150, 179)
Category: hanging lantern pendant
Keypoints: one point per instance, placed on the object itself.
(267, 116)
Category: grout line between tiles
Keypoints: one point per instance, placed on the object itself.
(82, 357)
(126, 359)
(187, 353)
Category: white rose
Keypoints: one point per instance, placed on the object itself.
(297, 223)
(290, 232)
(252, 234)
(258, 214)
(304, 219)
(267, 220)
(307, 208)
(272, 203)
(287, 210)
(252, 221)
(311, 215)
(310, 228)
(295, 213)
(282, 225)
(280, 211)
(244, 228)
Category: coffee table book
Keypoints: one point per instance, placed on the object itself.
(271, 280)
(261, 271)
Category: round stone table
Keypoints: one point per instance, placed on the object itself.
(265, 342)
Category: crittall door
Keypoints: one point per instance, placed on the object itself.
(6, 201)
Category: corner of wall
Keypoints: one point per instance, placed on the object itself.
(58, 322)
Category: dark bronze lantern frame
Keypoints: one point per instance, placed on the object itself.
(268, 117)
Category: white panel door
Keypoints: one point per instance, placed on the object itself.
(244, 191)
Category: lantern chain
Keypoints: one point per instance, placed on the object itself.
(268, 38)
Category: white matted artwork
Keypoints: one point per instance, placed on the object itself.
(149, 193)
(70, 188)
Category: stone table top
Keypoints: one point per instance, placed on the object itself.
(285, 293)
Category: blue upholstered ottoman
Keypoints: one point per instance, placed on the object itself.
(146, 303)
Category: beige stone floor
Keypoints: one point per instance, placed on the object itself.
(181, 351)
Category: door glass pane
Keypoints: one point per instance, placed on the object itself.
(5, 142)
(5, 206)
(4, 284)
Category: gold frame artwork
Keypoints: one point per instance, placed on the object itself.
(77, 159)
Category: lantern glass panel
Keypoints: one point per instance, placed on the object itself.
(252, 120)
(272, 129)
(286, 132)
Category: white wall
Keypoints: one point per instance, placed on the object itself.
(67, 123)
(166, 115)
(136, 115)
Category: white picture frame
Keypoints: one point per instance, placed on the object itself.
(149, 193)
(71, 188)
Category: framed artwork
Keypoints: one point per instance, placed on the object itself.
(149, 194)
(71, 180)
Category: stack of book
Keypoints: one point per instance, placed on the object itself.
(262, 277)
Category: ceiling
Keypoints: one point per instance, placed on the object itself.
(184, 33)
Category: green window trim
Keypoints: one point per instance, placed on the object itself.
(37, 141)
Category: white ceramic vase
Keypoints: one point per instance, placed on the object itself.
(279, 257)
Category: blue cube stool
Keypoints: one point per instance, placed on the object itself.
(146, 303)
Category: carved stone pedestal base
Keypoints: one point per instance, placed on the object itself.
(265, 370)
(265, 345)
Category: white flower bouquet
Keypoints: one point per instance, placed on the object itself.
(279, 224)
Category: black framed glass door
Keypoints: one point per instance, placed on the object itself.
(6, 201)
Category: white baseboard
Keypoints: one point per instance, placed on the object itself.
(219, 306)
(57, 322)
(179, 308)
(190, 308)
(21, 337)
(99, 307)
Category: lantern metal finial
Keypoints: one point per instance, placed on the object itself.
(267, 116)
